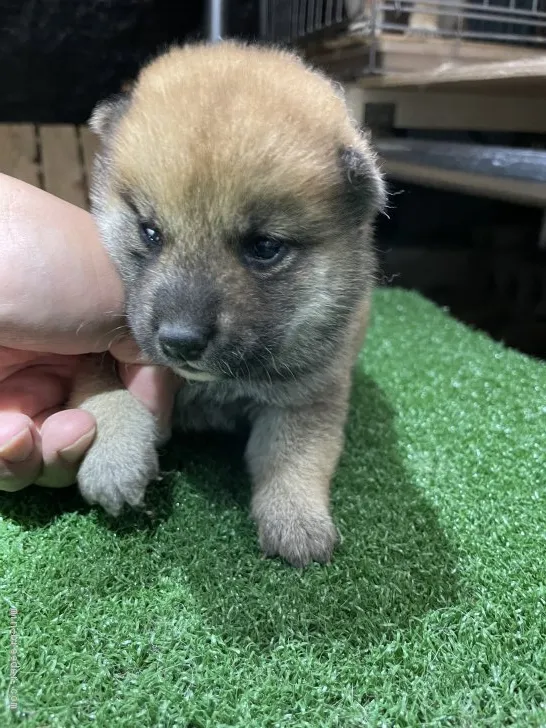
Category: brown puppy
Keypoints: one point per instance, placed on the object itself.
(235, 195)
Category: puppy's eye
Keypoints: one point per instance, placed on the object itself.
(151, 235)
(264, 251)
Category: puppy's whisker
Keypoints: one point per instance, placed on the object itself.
(265, 363)
(249, 375)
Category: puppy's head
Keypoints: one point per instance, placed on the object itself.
(235, 194)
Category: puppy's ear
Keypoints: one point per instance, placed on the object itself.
(107, 114)
(364, 186)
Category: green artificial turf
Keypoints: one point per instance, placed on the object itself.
(431, 614)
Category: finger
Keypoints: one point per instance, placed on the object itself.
(29, 393)
(125, 349)
(43, 237)
(41, 417)
(156, 388)
(66, 437)
(20, 452)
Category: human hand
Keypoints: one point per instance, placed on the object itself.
(60, 299)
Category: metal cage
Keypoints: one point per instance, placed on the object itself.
(514, 21)
(311, 22)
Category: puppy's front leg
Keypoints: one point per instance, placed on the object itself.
(292, 455)
(123, 459)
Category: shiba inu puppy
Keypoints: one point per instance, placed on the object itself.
(235, 195)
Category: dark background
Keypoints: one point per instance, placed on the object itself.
(58, 57)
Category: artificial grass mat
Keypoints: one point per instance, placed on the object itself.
(431, 614)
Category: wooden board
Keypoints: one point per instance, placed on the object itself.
(90, 144)
(61, 163)
(55, 157)
(398, 60)
(522, 77)
(19, 152)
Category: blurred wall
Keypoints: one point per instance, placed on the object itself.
(58, 57)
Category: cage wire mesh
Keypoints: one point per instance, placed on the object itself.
(505, 21)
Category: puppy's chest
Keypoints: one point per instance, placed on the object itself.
(201, 407)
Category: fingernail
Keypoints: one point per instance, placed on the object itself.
(76, 451)
(18, 448)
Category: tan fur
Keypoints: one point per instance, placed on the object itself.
(292, 456)
(211, 142)
(122, 460)
(287, 119)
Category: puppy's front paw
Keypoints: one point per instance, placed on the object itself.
(115, 473)
(123, 459)
(296, 535)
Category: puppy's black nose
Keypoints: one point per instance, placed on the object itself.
(186, 343)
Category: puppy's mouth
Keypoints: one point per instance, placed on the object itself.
(193, 373)
(194, 376)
